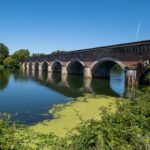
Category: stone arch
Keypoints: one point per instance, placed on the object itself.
(103, 66)
(44, 66)
(75, 67)
(36, 65)
(56, 66)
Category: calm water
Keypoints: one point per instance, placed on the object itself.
(29, 95)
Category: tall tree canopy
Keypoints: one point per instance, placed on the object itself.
(4, 52)
(21, 54)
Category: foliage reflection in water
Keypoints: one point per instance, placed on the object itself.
(29, 95)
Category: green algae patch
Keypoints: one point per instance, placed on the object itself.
(70, 115)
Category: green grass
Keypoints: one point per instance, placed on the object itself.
(70, 115)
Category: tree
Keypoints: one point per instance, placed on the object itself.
(21, 54)
(4, 52)
(37, 55)
(58, 52)
(9, 62)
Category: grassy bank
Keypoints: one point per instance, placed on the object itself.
(69, 115)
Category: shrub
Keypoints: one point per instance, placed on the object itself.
(8, 62)
(127, 129)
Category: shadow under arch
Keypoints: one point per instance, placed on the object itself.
(75, 67)
(44, 66)
(56, 66)
(102, 67)
(36, 65)
(44, 72)
(30, 65)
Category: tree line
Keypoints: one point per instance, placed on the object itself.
(12, 61)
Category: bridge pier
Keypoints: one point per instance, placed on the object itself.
(87, 85)
(50, 68)
(32, 66)
(87, 72)
(64, 70)
(23, 67)
(28, 65)
(40, 67)
(131, 76)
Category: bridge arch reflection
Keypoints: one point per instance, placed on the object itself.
(74, 86)
(36, 65)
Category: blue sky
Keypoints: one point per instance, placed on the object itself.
(43, 26)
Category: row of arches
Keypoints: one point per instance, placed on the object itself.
(100, 68)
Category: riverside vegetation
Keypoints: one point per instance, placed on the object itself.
(126, 128)
(118, 124)
(12, 61)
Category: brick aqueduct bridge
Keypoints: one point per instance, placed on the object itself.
(97, 62)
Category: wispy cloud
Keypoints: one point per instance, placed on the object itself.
(138, 30)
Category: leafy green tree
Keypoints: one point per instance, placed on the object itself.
(8, 62)
(4, 52)
(21, 54)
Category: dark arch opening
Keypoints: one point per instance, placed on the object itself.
(30, 65)
(36, 66)
(103, 69)
(45, 71)
(115, 75)
(56, 67)
(145, 76)
(45, 66)
(75, 68)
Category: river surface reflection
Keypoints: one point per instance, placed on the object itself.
(29, 95)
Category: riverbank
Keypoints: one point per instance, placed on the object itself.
(124, 126)
(70, 115)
